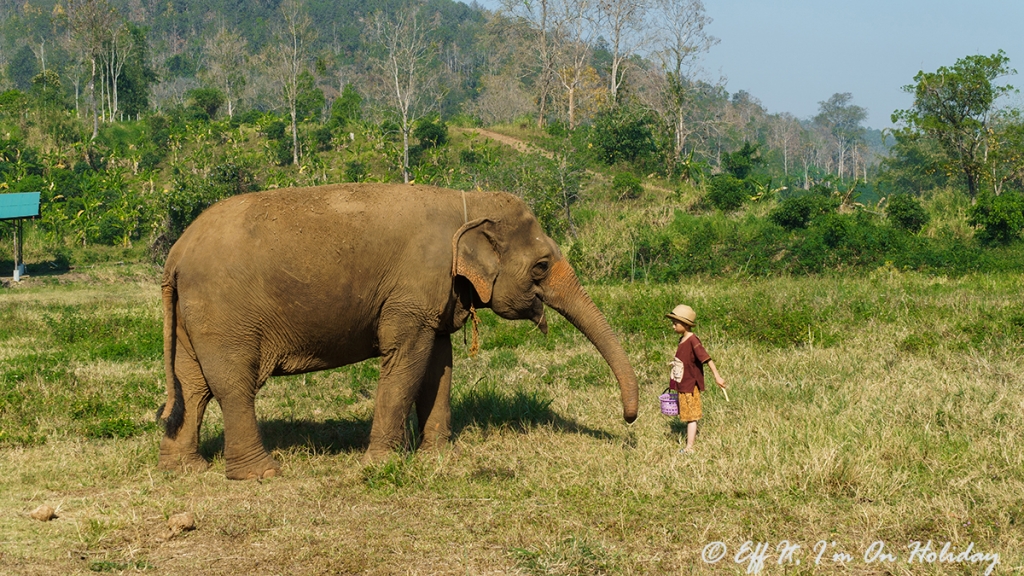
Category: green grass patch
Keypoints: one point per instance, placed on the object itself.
(884, 406)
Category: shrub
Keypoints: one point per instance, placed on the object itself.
(1001, 218)
(727, 193)
(208, 99)
(346, 108)
(906, 213)
(355, 171)
(798, 211)
(627, 185)
(741, 162)
(624, 135)
(275, 130)
(322, 138)
(558, 129)
(431, 133)
(249, 117)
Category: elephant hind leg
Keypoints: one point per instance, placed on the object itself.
(179, 448)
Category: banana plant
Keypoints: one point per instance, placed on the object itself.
(765, 191)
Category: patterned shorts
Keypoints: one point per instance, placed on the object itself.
(689, 406)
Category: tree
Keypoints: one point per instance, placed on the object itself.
(573, 35)
(118, 43)
(842, 120)
(288, 60)
(681, 38)
(346, 108)
(208, 99)
(22, 68)
(311, 101)
(954, 106)
(90, 22)
(403, 57)
(227, 57)
(1006, 150)
(784, 136)
(137, 76)
(539, 15)
(625, 21)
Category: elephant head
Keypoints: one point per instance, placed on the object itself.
(515, 269)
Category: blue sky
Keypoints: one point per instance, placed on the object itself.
(793, 54)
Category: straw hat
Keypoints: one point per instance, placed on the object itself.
(684, 314)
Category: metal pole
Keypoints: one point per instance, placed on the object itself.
(18, 234)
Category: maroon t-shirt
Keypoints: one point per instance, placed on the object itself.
(693, 355)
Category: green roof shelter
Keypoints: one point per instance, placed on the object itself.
(17, 207)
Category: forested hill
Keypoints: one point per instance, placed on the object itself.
(181, 27)
(618, 76)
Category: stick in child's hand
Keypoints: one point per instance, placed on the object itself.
(726, 392)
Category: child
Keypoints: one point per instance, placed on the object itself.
(687, 377)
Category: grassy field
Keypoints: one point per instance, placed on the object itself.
(887, 408)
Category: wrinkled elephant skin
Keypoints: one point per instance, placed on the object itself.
(303, 279)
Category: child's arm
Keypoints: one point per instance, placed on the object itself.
(718, 377)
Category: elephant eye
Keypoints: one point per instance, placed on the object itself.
(540, 269)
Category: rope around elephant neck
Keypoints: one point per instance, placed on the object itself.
(475, 347)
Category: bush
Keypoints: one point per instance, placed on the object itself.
(727, 193)
(906, 213)
(193, 193)
(346, 108)
(1001, 218)
(798, 211)
(741, 162)
(558, 129)
(627, 185)
(208, 99)
(431, 133)
(355, 171)
(623, 135)
(322, 138)
(275, 130)
(250, 117)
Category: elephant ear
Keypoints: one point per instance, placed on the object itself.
(476, 256)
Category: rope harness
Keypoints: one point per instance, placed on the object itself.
(475, 348)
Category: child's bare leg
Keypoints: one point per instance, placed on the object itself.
(691, 435)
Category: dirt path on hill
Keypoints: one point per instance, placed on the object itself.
(525, 147)
(506, 140)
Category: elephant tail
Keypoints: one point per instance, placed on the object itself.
(172, 413)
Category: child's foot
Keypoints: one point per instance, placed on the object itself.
(687, 451)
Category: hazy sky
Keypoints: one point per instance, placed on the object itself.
(793, 54)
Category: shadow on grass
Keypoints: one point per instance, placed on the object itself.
(36, 269)
(327, 437)
(489, 406)
(485, 407)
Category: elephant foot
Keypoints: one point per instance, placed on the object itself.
(265, 467)
(182, 462)
(377, 455)
(436, 445)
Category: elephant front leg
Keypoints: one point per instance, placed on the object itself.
(407, 353)
(433, 404)
(245, 457)
(234, 385)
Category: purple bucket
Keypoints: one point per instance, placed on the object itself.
(669, 403)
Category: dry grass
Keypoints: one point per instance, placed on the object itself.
(891, 411)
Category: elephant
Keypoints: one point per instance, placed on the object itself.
(296, 280)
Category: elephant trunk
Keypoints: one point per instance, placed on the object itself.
(562, 291)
